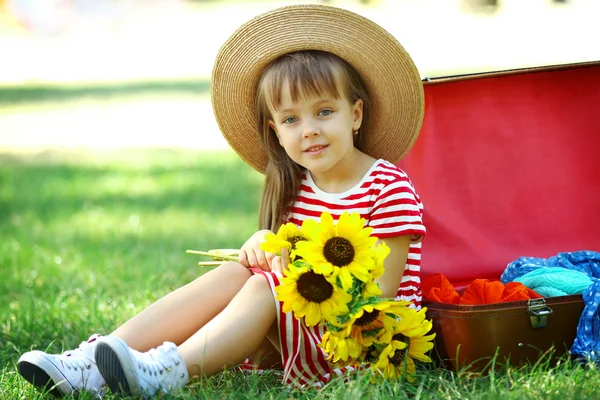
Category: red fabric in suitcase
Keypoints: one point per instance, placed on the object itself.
(508, 166)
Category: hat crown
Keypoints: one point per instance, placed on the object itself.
(391, 78)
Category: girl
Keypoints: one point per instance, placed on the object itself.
(324, 116)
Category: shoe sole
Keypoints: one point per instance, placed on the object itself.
(116, 366)
(44, 375)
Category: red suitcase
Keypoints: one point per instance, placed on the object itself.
(507, 165)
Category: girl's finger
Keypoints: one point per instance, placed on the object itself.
(277, 265)
(269, 256)
(252, 259)
(285, 258)
(261, 260)
(243, 258)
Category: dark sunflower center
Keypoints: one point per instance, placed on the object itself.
(338, 251)
(369, 357)
(367, 318)
(314, 287)
(398, 358)
(400, 337)
(295, 239)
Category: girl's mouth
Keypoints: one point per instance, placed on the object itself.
(314, 150)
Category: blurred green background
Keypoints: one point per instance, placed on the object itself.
(110, 74)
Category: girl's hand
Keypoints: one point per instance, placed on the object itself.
(280, 263)
(251, 255)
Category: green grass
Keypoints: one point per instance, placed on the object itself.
(89, 240)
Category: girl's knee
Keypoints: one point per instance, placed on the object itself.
(229, 272)
(233, 268)
(260, 294)
(258, 283)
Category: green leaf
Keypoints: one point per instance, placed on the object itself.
(371, 332)
(302, 264)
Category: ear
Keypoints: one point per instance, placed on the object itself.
(272, 126)
(357, 113)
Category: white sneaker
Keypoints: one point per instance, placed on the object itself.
(130, 372)
(66, 373)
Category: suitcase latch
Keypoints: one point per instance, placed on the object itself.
(538, 312)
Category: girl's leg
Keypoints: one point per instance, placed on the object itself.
(173, 318)
(227, 340)
(187, 309)
(235, 333)
(181, 313)
(268, 354)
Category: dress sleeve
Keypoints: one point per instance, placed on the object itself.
(398, 211)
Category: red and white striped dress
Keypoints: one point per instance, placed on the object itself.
(387, 200)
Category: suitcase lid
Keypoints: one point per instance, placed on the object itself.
(507, 164)
(512, 71)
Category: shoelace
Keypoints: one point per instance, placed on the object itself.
(158, 361)
(80, 358)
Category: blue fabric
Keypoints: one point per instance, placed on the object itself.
(554, 281)
(582, 261)
(587, 342)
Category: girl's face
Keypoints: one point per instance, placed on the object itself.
(317, 131)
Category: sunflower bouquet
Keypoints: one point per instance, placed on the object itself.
(330, 281)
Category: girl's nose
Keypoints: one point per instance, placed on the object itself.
(310, 129)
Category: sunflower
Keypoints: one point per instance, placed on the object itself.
(360, 330)
(370, 318)
(338, 347)
(311, 295)
(287, 236)
(371, 289)
(405, 341)
(380, 252)
(343, 250)
(392, 362)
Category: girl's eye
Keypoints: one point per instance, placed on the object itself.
(325, 112)
(290, 120)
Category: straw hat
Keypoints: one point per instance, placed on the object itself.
(391, 78)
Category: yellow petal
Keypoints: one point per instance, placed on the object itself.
(324, 268)
(328, 229)
(286, 289)
(327, 308)
(300, 307)
(288, 306)
(386, 337)
(410, 369)
(341, 350)
(345, 278)
(371, 290)
(359, 272)
(313, 314)
(311, 229)
(354, 349)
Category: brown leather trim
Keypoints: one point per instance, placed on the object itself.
(497, 306)
(470, 336)
(445, 79)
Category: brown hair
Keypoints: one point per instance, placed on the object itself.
(308, 73)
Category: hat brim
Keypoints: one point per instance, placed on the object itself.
(391, 78)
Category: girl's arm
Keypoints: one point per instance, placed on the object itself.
(394, 264)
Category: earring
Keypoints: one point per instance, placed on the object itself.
(355, 133)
